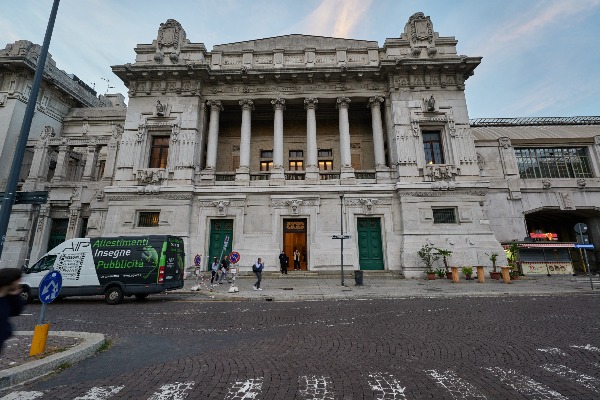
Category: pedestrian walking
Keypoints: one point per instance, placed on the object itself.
(224, 269)
(10, 300)
(214, 270)
(296, 260)
(257, 268)
(283, 262)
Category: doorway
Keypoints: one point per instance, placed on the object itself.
(370, 251)
(221, 230)
(58, 232)
(294, 238)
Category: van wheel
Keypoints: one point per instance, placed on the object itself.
(114, 295)
(26, 295)
(141, 296)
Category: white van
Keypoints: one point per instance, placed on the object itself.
(113, 267)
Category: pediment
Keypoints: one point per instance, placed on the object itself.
(295, 42)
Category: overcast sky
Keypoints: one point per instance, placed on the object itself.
(540, 57)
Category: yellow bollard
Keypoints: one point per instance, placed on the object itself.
(454, 274)
(38, 344)
(505, 274)
(480, 274)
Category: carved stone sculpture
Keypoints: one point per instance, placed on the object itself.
(160, 109)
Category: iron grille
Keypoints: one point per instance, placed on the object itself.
(147, 219)
(444, 216)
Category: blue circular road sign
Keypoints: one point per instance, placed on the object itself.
(50, 287)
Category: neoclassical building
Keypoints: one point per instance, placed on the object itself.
(273, 143)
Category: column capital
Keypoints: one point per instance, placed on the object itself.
(343, 102)
(310, 103)
(247, 104)
(215, 105)
(278, 104)
(376, 101)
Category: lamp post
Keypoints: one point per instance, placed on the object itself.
(341, 236)
(15, 168)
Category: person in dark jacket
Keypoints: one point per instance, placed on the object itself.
(283, 262)
(10, 300)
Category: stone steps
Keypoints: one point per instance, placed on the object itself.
(348, 274)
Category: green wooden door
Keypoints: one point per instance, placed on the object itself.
(370, 253)
(219, 230)
(58, 232)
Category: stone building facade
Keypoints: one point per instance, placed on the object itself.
(268, 141)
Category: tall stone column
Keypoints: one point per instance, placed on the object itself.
(277, 173)
(242, 174)
(208, 173)
(311, 161)
(375, 105)
(346, 170)
(90, 162)
(61, 163)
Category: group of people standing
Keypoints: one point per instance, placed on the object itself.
(222, 267)
(284, 261)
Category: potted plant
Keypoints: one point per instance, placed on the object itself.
(445, 254)
(440, 273)
(514, 274)
(467, 271)
(494, 274)
(428, 257)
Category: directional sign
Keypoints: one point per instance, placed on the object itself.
(584, 246)
(234, 257)
(341, 237)
(198, 260)
(50, 287)
(29, 197)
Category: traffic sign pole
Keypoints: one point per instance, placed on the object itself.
(580, 229)
(47, 292)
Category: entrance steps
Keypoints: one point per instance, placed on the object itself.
(348, 274)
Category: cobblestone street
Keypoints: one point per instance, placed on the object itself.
(175, 347)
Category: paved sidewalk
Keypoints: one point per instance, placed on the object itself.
(291, 288)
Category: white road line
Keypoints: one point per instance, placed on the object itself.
(173, 391)
(458, 387)
(314, 387)
(587, 347)
(22, 396)
(553, 350)
(526, 386)
(100, 393)
(584, 380)
(242, 390)
(385, 386)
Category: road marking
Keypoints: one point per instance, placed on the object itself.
(526, 386)
(172, 391)
(553, 350)
(587, 347)
(385, 386)
(314, 387)
(458, 387)
(100, 393)
(584, 380)
(22, 396)
(242, 390)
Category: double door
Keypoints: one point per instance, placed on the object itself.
(370, 251)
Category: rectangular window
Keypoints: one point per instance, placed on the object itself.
(159, 152)
(148, 218)
(266, 166)
(432, 144)
(266, 154)
(444, 216)
(325, 153)
(100, 170)
(325, 165)
(553, 162)
(296, 153)
(296, 165)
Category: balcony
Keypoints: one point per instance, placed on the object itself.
(294, 176)
(261, 176)
(224, 176)
(329, 175)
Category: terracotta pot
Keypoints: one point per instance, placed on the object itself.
(495, 275)
(468, 276)
(514, 277)
(449, 274)
(430, 276)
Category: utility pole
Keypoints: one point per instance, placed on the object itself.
(15, 168)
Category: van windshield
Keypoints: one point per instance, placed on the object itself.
(44, 264)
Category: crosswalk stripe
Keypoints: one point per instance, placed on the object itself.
(173, 391)
(22, 396)
(242, 390)
(532, 389)
(314, 387)
(588, 347)
(385, 386)
(584, 380)
(100, 393)
(458, 387)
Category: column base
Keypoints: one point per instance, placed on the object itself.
(312, 175)
(383, 174)
(347, 174)
(242, 176)
(406, 170)
(277, 177)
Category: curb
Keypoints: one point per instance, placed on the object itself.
(35, 369)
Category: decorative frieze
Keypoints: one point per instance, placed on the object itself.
(443, 193)
(151, 176)
(437, 172)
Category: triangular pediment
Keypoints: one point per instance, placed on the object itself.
(295, 42)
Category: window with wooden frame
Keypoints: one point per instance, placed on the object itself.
(432, 145)
(296, 160)
(159, 152)
(325, 159)
(266, 160)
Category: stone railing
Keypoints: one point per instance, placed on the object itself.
(294, 176)
(326, 176)
(263, 176)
